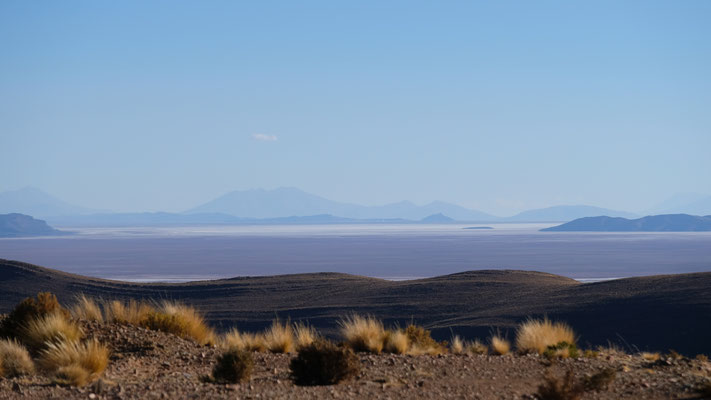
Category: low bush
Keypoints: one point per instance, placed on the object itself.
(562, 350)
(569, 388)
(554, 388)
(536, 335)
(75, 363)
(323, 363)
(14, 359)
(29, 309)
(363, 333)
(233, 366)
(600, 381)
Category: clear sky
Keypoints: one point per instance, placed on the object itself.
(500, 106)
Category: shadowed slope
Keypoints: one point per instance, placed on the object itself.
(656, 313)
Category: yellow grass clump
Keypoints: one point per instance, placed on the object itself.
(180, 320)
(86, 308)
(650, 356)
(499, 345)
(14, 359)
(457, 345)
(304, 334)
(279, 338)
(396, 342)
(477, 347)
(51, 328)
(421, 342)
(536, 335)
(363, 333)
(130, 313)
(244, 341)
(75, 363)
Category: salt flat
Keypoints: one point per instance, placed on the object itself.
(181, 254)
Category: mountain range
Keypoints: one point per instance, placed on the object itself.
(20, 225)
(291, 205)
(652, 223)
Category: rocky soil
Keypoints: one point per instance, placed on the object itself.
(154, 365)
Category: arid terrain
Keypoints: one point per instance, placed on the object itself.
(655, 313)
(154, 365)
(144, 360)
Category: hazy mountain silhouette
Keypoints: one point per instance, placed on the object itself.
(172, 219)
(281, 202)
(654, 223)
(18, 225)
(566, 213)
(684, 203)
(438, 218)
(32, 201)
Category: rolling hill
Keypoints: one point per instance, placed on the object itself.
(20, 225)
(652, 223)
(565, 213)
(651, 313)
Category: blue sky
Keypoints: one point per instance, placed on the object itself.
(499, 106)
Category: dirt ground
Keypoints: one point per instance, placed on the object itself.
(154, 365)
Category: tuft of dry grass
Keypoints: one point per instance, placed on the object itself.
(650, 356)
(29, 309)
(702, 357)
(396, 342)
(421, 341)
(244, 341)
(363, 333)
(180, 320)
(304, 334)
(130, 313)
(477, 347)
(51, 328)
(457, 345)
(499, 345)
(279, 338)
(86, 308)
(75, 363)
(536, 335)
(14, 359)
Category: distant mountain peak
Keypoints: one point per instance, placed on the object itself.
(437, 218)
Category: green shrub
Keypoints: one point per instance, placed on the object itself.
(323, 363)
(562, 350)
(233, 366)
(30, 309)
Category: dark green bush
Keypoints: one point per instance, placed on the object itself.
(323, 363)
(233, 366)
(29, 309)
(562, 349)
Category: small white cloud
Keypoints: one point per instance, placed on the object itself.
(264, 138)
